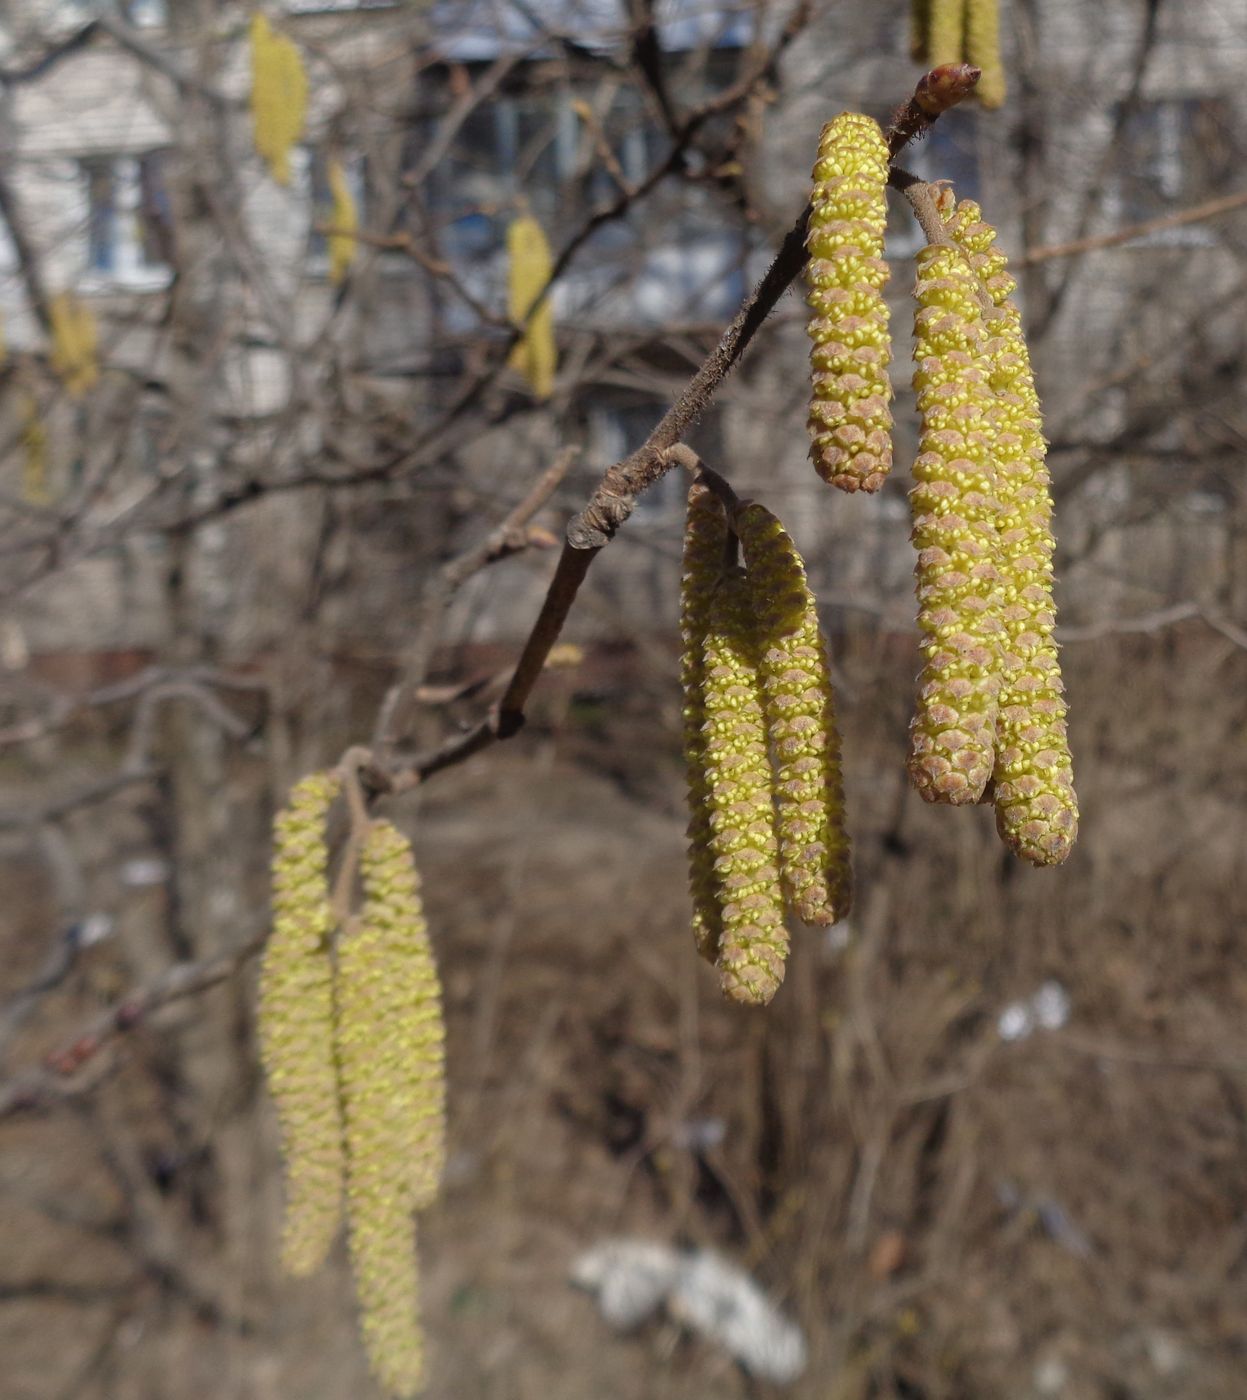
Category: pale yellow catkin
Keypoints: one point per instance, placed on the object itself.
(296, 1024)
(919, 29)
(35, 454)
(982, 48)
(344, 220)
(705, 543)
(801, 723)
(279, 91)
(946, 32)
(954, 510)
(529, 265)
(75, 350)
(753, 944)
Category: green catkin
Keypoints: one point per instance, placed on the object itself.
(800, 720)
(390, 1055)
(982, 48)
(850, 421)
(954, 510)
(919, 29)
(946, 34)
(705, 543)
(296, 1025)
(754, 941)
(1036, 806)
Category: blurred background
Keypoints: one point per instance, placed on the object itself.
(990, 1140)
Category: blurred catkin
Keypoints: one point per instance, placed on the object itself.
(75, 340)
(919, 29)
(982, 48)
(390, 1057)
(344, 219)
(946, 32)
(754, 942)
(705, 544)
(1036, 807)
(800, 720)
(278, 96)
(850, 420)
(34, 453)
(296, 1025)
(528, 270)
(954, 510)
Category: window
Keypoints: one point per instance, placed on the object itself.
(129, 219)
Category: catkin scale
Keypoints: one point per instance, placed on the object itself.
(954, 511)
(296, 1023)
(705, 543)
(754, 941)
(850, 421)
(800, 720)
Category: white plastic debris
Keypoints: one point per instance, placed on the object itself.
(1047, 1009)
(701, 1291)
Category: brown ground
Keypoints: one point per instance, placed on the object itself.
(951, 1217)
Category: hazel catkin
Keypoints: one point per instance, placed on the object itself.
(296, 1023)
(954, 511)
(705, 543)
(946, 32)
(982, 49)
(800, 720)
(278, 96)
(850, 421)
(529, 264)
(753, 942)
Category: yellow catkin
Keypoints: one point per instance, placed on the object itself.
(919, 29)
(1033, 790)
(850, 421)
(390, 1058)
(296, 1025)
(344, 219)
(954, 511)
(705, 543)
(34, 454)
(754, 942)
(279, 89)
(74, 343)
(800, 718)
(528, 270)
(946, 32)
(982, 48)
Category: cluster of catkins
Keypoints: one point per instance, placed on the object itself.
(278, 96)
(960, 31)
(767, 831)
(353, 1046)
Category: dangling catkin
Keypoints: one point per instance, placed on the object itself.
(74, 343)
(919, 29)
(982, 48)
(800, 720)
(278, 96)
(705, 542)
(35, 454)
(528, 270)
(754, 942)
(389, 1041)
(946, 34)
(954, 510)
(296, 1025)
(850, 422)
(1036, 807)
(344, 218)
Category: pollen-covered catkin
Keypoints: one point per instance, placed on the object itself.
(344, 218)
(754, 942)
(800, 719)
(982, 48)
(946, 32)
(75, 343)
(296, 1025)
(389, 1042)
(528, 270)
(954, 510)
(919, 29)
(850, 420)
(705, 543)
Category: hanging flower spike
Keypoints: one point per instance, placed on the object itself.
(278, 96)
(919, 29)
(74, 344)
(850, 422)
(754, 942)
(800, 720)
(946, 35)
(529, 265)
(344, 218)
(35, 453)
(982, 48)
(954, 512)
(705, 545)
(296, 1026)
